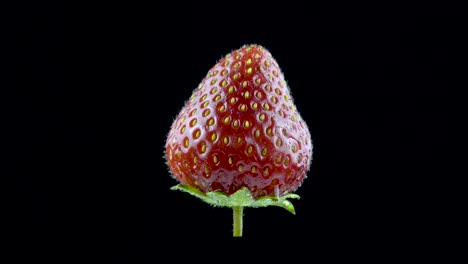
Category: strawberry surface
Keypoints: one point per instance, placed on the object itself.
(241, 128)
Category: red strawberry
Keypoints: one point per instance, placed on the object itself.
(241, 128)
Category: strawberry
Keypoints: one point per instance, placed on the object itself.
(240, 130)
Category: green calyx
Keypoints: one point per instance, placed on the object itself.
(241, 198)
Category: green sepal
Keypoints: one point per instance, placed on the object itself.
(242, 197)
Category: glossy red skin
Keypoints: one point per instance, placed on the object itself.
(268, 147)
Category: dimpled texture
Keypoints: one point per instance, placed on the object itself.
(241, 128)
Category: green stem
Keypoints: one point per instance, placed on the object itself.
(237, 213)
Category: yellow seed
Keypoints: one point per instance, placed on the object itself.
(278, 159)
(294, 118)
(278, 92)
(194, 122)
(243, 107)
(266, 171)
(236, 76)
(264, 152)
(215, 159)
(230, 160)
(240, 168)
(226, 63)
(203, 148)
(214, 72)
(194, 160)
(253, 169)
(214, 90)
(211, 121)
(250, 149)
(294, 148)
(231, 89)
(238, 56)
(249, 61)
(286, 97)
(255, 106)
(286, 161)
(262, 117)
(258, 81)
(206, 112)
(223, 83)
(239, 140)
(266, 106)
(257, 56)
(214, 81)
(225, 140)
(244, 84)
(197, 134)
(257, 133)
(186, 143)
(246, 124)
(275, 73)
(280, 84)
(203, 98)
(270, 77)
(205, 104)
(278, 142)
(248, 49)
(214, 137)
(222, 109)
(235, 124)
(207, 169)
(236, 65)
(182, 130)
(258, 95)
(233, 100)
(269, 132)
(224, 72)
(217, 98)
(228, 56)
(192, 112)
(268, 88)
(227, 120)
(273, 100)
(249, 71)
(267, 63)
(182, 120)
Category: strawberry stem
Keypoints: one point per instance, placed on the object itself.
(237, 213)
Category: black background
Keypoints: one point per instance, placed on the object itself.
(96, 88)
